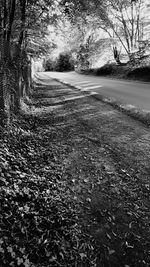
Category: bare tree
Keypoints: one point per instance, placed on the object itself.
(120, 19)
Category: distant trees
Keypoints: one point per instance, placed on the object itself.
(64, 62)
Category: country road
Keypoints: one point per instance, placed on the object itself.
(128, 92)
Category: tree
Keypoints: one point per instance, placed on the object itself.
(124, 20)
(7, 15)
(80, 39)
(19, 20)
(120, 19)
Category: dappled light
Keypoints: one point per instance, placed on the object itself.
(74, 133)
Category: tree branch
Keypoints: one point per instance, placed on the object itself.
(113, 28)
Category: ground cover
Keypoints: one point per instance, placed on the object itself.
(74, 184)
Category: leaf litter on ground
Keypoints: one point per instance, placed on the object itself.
(39, 223)
(63, 203)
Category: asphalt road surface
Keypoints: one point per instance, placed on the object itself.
(128, 92)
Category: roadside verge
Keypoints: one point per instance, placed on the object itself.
(131, 110)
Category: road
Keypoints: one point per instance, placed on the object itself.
(127, 92)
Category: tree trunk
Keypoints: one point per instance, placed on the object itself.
(4, 84)
(17, 89)
(116, 55)
(2, 102)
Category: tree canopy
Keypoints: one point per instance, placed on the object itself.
(22, 20)
(120, 19)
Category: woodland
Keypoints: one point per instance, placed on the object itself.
(30, 29)
(71, 194)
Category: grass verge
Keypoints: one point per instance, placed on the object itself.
(130, 110)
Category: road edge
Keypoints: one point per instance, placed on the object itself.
(130, 110)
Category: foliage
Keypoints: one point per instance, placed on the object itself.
(39, 217)
(125, 71)
(68, 36)
(71, 196)
(64, 62)
(107, 69)
(23, 29)
(125, 21)
(78, 8)
(142, 72)
(49, 65)
(83, 40)
(121, 20)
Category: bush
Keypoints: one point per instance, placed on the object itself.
(141, 72)
(107, 69)
(64, 63)
(49, 65)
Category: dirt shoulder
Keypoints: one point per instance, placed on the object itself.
(131, 110)
(75, 184)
